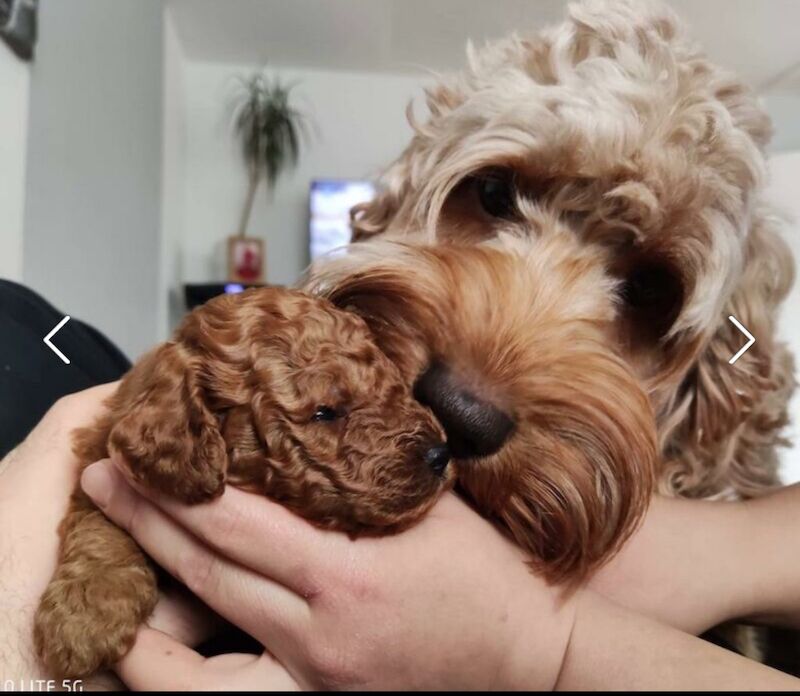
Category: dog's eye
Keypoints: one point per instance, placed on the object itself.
(654, 294)
(650, 287)
(496, 194)
(324, 414)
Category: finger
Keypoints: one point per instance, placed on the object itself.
(157, 662)
(256, 533)
(256, 604)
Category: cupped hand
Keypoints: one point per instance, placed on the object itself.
(447, 604)
(36, 480)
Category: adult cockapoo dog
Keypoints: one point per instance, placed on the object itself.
(271, 391)
(629, 169)
(614, 133)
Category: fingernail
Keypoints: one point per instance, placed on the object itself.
(96, 482)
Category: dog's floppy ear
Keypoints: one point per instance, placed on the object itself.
(574, 477)
(729, 416)
(164, 430)
(580, 476)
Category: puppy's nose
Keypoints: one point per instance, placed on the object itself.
(474, 427)
(437, 458)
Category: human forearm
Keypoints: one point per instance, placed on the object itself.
(613, 648)
(332, 632)
(773, 523)
(695, 564)
(685, 566)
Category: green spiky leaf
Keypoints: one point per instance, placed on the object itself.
(268, 126)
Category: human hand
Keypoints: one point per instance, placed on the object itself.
(36, 480)
(448, 604)
(408, 611)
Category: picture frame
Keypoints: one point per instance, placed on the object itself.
(245, 259)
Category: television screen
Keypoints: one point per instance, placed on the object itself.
(330, 203)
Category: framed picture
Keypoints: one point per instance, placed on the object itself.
(18, 26)
(245, 259)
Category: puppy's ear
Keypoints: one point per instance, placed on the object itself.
(728, 418)
(164, 429)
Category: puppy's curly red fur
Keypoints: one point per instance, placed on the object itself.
(232, 399)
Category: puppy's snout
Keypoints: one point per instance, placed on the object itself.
(474, 427)
(437, 458)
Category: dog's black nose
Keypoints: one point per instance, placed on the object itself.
(474, 427)
(437, 458)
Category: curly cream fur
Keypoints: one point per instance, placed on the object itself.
(615, 124)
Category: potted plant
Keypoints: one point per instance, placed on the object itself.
(269, 129)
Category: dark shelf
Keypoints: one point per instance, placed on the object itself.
(196, 294)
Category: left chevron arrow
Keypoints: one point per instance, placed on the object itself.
(47, 338)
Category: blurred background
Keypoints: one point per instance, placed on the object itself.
(121, 172)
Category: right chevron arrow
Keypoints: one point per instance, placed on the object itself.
(750, 340)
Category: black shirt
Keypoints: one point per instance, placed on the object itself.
(32, 377)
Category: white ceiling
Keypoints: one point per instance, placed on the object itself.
(758, 38)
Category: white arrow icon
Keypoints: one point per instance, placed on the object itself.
(750, 340)
(53, 333)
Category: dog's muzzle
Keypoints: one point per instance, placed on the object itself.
(475, 428)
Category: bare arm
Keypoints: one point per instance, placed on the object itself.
(772, 529)
(612, 648)
(694, 564)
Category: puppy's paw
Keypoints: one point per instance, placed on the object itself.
(87, 623)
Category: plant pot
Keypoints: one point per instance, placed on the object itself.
(245, 259)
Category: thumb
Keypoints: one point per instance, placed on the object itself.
(157, 662)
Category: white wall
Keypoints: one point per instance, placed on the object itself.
(92, 215)
(14, 85)
(360, 127)
(173, 175)
(784, 110)
(785, 192)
